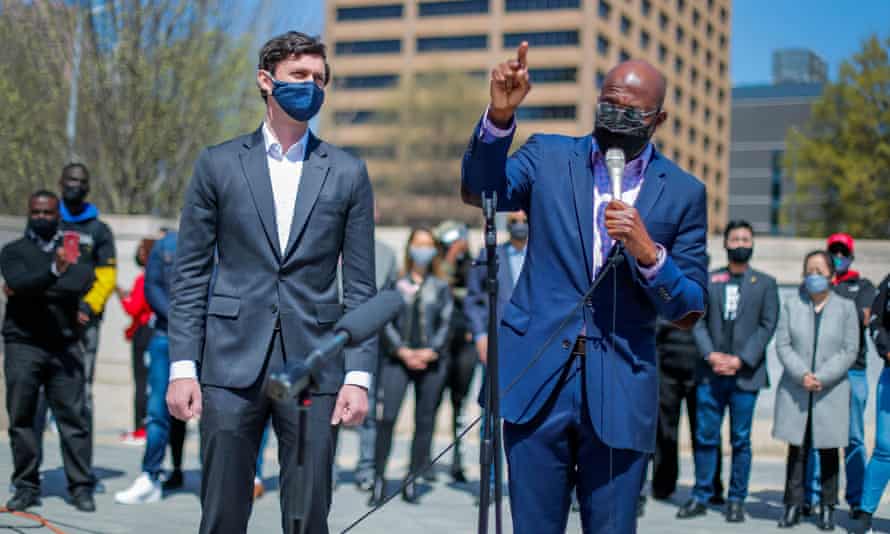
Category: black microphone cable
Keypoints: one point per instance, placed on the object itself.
(615, 259)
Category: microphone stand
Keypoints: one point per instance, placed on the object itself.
(490, 452)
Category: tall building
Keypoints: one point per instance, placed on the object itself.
(375, 44)
(798, 65)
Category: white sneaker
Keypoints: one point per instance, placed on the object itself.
(144, 490)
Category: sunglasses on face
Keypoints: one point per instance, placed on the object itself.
(618, 117)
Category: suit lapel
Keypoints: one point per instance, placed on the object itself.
(256, 172)
(582, 186)
(653, 184)
(315, 171)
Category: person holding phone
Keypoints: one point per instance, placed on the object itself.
(45, 281)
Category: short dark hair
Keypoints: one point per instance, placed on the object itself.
(825, 255)
(43, 193)
(735, 225)
(292, 43)
(76, 165)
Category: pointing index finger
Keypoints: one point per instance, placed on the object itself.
(522, 54)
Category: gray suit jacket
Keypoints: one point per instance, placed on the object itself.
(229, 211)
(754, 326)
(835, 352)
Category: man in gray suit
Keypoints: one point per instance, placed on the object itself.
(266, 218)
(743, 310)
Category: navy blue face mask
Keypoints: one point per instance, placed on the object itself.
(300, 100)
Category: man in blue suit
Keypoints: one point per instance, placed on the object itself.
(583, 414)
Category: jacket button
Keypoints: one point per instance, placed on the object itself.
(566, 344)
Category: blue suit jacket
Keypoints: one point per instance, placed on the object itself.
(551, 178)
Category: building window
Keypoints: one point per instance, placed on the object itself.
(707, 115)
(708, 86)
(718, 179)
(705, 171)
(663, 20)
(567, 38)
(541, 5)
(678, 96)
(602, 45)
(644, 39)
(693, 104)
(458, 42)
(719, 150)
(681, 5)
(459, 7)
(710, 5)
(363, 116)
(554, 75)
(692, 136)
(645, 7)
(435, 78)
(709, 57)
(680, 34)
(720, 123)
(696, 17)
(624, 55)
(722, 41)
(709, 30)
(723, 15)
(706, 143)
(600, 79)
(722, 69)
(383, 46)
(676, 155)
(677, 126)
(690, 165)
(387, 11)
(662, 53)
(625, 25)
(605, 10)
(678, 65)
(372, 81)
(695, 47)
(384, 152)
(693, 75)
(721, 94)
(546, 113)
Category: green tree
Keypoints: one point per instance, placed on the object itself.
(159, 79)
(840, 160)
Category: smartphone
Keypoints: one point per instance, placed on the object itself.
(71, 246)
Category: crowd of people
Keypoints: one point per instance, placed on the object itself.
(59, 276)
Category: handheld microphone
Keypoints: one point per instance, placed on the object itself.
(353, 328)
(615, 164)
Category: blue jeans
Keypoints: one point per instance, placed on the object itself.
(367, 435)
(854, 454)
(713, 398)
(157, 428)
(878, 472)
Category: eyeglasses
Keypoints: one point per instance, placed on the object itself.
(622, 118)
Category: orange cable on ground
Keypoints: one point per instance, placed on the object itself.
(33, 517)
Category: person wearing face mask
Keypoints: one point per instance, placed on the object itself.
(266, 219)
(743, 309)
(97, 247)
(578, 376)
(42, 339)
(417, 342)
(817, 341)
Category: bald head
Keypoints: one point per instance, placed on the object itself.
(635, 83)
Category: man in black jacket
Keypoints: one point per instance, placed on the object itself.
(42, 333)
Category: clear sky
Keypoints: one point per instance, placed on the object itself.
(834, 29)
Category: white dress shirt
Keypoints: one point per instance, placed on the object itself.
(285, 172)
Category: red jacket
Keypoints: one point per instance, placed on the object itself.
(136, 306)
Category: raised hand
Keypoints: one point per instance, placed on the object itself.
(509, 86)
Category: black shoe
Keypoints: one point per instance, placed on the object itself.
(735, 512)
(23, 499)
(409, 492)
(806, 510)
(83, 501)
(641, 506)
(864, 526)
(717, 500)
(378, 492)
(430, 475)
(457, 475)
(855, 513)
(174, 482)
(826, 518)
(791, 517)
(692, 508)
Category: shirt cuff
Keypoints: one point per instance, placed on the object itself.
(358, 378)
(489, 133)
(183, 369)
(651, 272)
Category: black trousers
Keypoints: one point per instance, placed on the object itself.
(61, 374)
(138, 346)
(177, 442)
(461, 368)
(232, 424)
(796, 471)
(674, 387)
(428, 384)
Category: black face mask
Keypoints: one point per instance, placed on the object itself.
(44, 228)
(739, 254)
(631, 142)
(74, 194)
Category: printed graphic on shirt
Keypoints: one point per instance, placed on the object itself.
(731, 305)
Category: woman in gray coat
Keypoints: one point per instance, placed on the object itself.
(816, 341)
